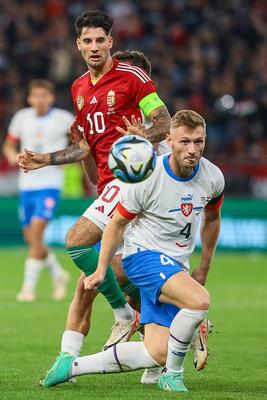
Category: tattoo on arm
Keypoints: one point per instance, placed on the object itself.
(161, 125)
(71, 154)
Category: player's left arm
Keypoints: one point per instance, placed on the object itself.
(155, 110)
(161, 120)
(209, 234)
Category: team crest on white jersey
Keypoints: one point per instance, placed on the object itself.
(186, 208)
(111, 98)
(80, 102)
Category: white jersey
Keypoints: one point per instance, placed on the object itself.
(161, 147)
(43, 134)
(170, 209)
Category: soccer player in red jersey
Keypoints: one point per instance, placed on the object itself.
(107, 92)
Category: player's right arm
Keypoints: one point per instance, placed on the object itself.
(30, 160)
(10, 150)
(111, 239)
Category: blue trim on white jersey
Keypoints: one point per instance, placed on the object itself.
(172, 175)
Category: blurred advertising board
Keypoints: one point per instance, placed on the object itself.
(244, 223)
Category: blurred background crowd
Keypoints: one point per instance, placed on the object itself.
(207, 55)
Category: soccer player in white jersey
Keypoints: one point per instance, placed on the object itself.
(184, 189)
(40, 127)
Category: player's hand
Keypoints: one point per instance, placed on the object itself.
(200, 275)
(93, 281)
(74, 133)
(29, 160)
(135, 127)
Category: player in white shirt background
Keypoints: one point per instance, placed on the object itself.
(43, 128)
(184, 188)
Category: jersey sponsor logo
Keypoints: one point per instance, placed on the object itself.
(189, 197)
(93, 100)
(80, 102)
(111, 98)
(187, 208)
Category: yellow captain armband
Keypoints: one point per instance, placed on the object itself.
(150, 102)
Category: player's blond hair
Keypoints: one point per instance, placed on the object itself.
(188, 118)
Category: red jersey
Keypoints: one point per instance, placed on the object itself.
(100, 109)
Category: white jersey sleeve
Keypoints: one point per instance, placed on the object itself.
(219, 183)
(133, 197)
(14, 127)
(163, 148)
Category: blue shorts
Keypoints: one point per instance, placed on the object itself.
(37, 203)
(149, 270)
(97, 246)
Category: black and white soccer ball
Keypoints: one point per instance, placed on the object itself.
(132, 159)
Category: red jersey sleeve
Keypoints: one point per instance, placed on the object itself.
(140, 88)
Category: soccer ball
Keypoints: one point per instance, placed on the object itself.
(132, 159)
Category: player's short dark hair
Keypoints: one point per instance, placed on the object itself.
(134, 57)
(42, 83)
(188, 118)
(93, 19)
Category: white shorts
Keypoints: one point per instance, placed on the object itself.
(102, 209)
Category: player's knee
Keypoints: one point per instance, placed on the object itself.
(202, 301)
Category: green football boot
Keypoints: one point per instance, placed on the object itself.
(61, 370)
(172, 382)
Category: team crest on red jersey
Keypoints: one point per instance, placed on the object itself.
(80, 102)
(111, 98)
(186, 208)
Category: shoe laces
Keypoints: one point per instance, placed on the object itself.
(177, 379)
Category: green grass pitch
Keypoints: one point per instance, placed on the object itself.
(237, 369)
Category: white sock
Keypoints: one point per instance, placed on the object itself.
(119, 358)
(182, 330)
(72, 342)
(124, 314)
(32, 269)
(52, 264)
